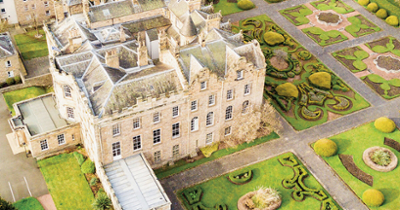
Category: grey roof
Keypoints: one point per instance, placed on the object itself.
(6, 46)
(111, 10)
(75, 64)
(188, 27)
(147, 5)
(153, 34)
(179, 7)
(147, 23)
(74, 2)
(135, 184)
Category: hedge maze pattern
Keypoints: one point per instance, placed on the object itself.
(351, 167)
(192, 199)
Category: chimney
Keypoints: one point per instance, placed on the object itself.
(122, 37)
(143, 56)
(112, 59)
(74, 39)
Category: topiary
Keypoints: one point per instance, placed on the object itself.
(363, 2)
(385, 124)
(245, 4)
(79, 157)
(17, 79)
(372, 7)
(10, 81)
(381, 13)
(325, 147)
(88, 167)
(373, 198)
(392, 20)
(287, 89)
(321, 80)
(273, 38)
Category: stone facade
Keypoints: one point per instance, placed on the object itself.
(28, 9)
(10, 62)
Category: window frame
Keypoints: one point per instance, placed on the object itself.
(33, 6)
(136, 121)
(63, 139)
(157, 156)
(230, 131)
(245, 106)
(10, 74)
(138, 142)
(116, 130)
(70, 113)
(156, 117)
(239, 74)
(46, 3)
(116, 150)
(8, 64)
(210, 119)
(194, 124)
(3, 12)
(247, 89)
(47, 13)
(229, 94)
(211, 98)
(175, 151)
(193, 105)
(42, 145)
(175, 111)
(67, 91)
(230, 114)
(211, 135)
(159, 136)
(203, 85)
(176, 131)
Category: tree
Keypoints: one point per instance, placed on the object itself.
(3, 25)
(102, 202)
(5, 205)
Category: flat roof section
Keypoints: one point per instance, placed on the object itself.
(41, 115)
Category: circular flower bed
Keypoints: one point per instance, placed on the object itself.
(380, 159)
(262, 199)
(329, 18)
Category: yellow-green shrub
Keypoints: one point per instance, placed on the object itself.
(325, 147)
(273, 38)
(381, 13)
(373, 198)
(287, 89)
(372, 7)
(392, 20)
(208, 150)
(385, 124)
(321, 79)
(363, 2)
(245, 4)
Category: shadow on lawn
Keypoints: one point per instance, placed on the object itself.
(390, 194)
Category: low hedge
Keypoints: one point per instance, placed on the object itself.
(363, 2)
(372, 7)
(245, 4)
(79, 157)
(241, 177)
(304, 55)
(392, 20)
(88, 167)
(373, 197)
(381, 13)
(10, 81)
(193, 195)
(385, 124)
(287, 89)
(325, 147)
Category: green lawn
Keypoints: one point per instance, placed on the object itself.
(181, 165)
(23, 94)
(31, 47)
(66, 183)
(30, 203)
(269, 173)
(226, 7)
(354, 142)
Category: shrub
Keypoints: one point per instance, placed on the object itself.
(372, 7)
(385, 124)
(304, 55)
(273, 38)
(79, 157)
(10, 81)
(93, 181)
(88, 167)
(17, 79)
(241, 178)
(287, 89)
(381, 157)
(381, 13)
(208, 150)
(363, 2)
(325, 147)
(193, 195)
(265, 197)
(373, 198)
(245, 4)
(5, 205)
(102, 202)
(321, 80)
(392, 20)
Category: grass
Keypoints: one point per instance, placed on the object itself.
(391, 6)
(299, 18)
(269, 173)
(357, 25)
(355, 142)
(24, 94)
(66, 183)
(31, 47)
(181, 165)
(226, 7)
(30, 203)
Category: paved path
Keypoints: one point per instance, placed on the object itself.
(37, 67)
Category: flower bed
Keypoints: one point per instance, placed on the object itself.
(380, 159)
(351, 167)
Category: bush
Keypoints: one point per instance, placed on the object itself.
(363, 2)
(325, 147)
(245, 4)
(88, 167)
(385, 124)
(241, 177)
(17, 79)
(373, 198)
(392, 20)
(287, 89)
(304, 55)
(381, 13)
(193, 195)
(208, 150)
(273, 38)
(10, 81)
(381, 157)
(93, 181)
(79, 157)
(102, 202)
(321, 80)
(5, 205)
(372, 7)
(265, 197)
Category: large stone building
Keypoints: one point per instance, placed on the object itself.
(8, 11)
(29, 10)
(10, 62)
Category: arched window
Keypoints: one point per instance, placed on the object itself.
(228, 113)
(194, 124)
(67, 91)
(245, 106)
(210, 119)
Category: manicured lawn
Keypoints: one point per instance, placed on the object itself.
(226, 7)
(23, 94)
(31, 47)
(30, 203)
(355, 142)
(269, 173)
(182, 165)
(66, 183)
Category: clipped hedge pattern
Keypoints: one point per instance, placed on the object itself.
(241, 177)
(193, 196)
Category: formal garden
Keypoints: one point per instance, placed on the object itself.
(281, 182)
(228, 7)
(388, 10)
(377, 63)
(302, 89)
(329, 21)
(366, 159)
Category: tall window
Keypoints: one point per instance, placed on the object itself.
(115, 130)
(203, 85)
(10, 74)
(228, 131)
(209, 138)
(47, 13)
(67, 91)
(228, 113)
(3, 11)
(73, 137)
(137, 143)
(239, 74)
(156, 117)
(194, 124)
(70, 113)
(211, 100)
(136, 123)
(229, 94)
(157, 156)
(61, 139)
(210, 119)
(156, 136)
(43, 145)
(245, 106)
(175, 130)
(175, 111)
(116, 149)
(26, 9)
(193, 105)
(175, 151)
(247, 89)
(8, 63)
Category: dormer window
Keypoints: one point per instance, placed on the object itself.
(239, 74)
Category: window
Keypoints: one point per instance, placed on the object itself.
(43, 145)
(210, 119)
(26, 8)
(116, 149)
(115, 130)
(10, 74)
(61, 139)
(194, 124)
(8, 63)
(67, 91)
(228, 113)
(73, 137)
(47, 12)
(3, 11)
(247, 89)
(136, 123)
(228, 131)
(244, 106)
(156, 117)
(1, 1)
(175, 130)
(46, 3)
(24, 0)
(175, 111)
(157, 156)
(175, 151)
(211, 100)
(239, 74)
(203, 85)
(33, 6)
(193, 106)
(209, 138)
(229, 94)
(70, 113)
(137, 143)
(156, 136)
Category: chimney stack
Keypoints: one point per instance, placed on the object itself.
(112, 59)
(143, 57)
(74, 39)
(122, 37)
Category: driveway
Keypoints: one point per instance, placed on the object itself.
(16, 171)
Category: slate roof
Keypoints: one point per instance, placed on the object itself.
(188, 28)
(146, 24)
(74, 2)
(6, 46)
(111, 10)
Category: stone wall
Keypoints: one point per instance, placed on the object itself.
(43, 80)
(16, 67)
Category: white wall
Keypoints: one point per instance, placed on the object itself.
(11, 13)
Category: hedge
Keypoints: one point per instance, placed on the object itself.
(392, 20)
(193, 195)
(273, 38)
(88, 167)
(241, 178)
(325, 147)
(385, 124)
(372, 7)
(245, 4)
(363, 2)
(321, 80)
(381, 13)
(287, 89)
(373, 198)
(79, 157)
